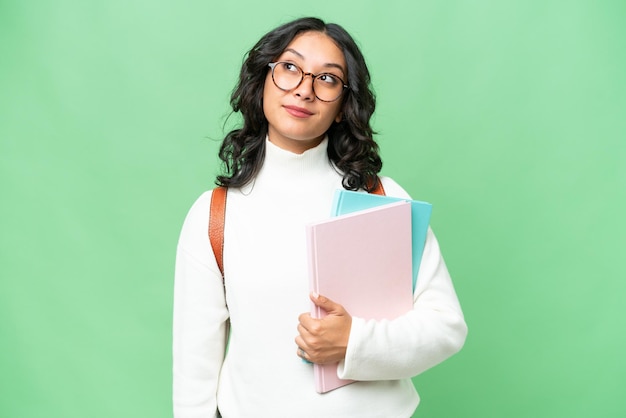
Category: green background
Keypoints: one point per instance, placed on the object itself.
(509, 116)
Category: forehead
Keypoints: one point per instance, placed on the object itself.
(315, 49)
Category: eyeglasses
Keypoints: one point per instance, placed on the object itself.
(287, 76)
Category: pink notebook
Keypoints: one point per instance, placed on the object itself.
(363, 261)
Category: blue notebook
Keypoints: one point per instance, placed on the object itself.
(346, 201)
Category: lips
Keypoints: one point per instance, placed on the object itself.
(298, 112)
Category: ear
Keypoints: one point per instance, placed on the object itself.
(339, 117)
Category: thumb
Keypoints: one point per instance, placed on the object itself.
(326, 304)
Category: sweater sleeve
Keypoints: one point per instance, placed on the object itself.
(427, 335)
(200, 315)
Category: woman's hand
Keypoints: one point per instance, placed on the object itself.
(324, 340)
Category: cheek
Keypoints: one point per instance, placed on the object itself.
(267, 85)
(271, 94)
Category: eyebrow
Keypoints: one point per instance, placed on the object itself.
(327, 65)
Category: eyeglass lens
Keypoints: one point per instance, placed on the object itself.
(326, 86)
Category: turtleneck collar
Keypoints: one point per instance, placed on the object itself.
(279, 161)
(283, 168)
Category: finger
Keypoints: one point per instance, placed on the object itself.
(308, 324)
(326, 304)
(304, 317)
(303, 331)
(301, 343)
(302, 353)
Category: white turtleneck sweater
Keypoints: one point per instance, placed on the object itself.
(267, 288)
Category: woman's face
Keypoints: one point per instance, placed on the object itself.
(297, 120)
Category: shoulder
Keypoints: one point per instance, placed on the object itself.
(194, 233)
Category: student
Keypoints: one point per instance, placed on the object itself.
(304, 94)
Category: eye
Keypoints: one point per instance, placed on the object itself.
(329, 79)
(287, 66)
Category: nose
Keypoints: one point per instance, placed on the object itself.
(305, 88)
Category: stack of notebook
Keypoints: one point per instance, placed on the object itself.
(366, 257)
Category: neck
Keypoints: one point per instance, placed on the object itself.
(296, 146)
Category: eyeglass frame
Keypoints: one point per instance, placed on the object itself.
(344, 86)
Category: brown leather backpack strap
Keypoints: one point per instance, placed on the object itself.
(380, 190)
(216, 225)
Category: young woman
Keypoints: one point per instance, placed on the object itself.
(304, 94)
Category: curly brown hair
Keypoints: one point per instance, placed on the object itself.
(351, 146)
